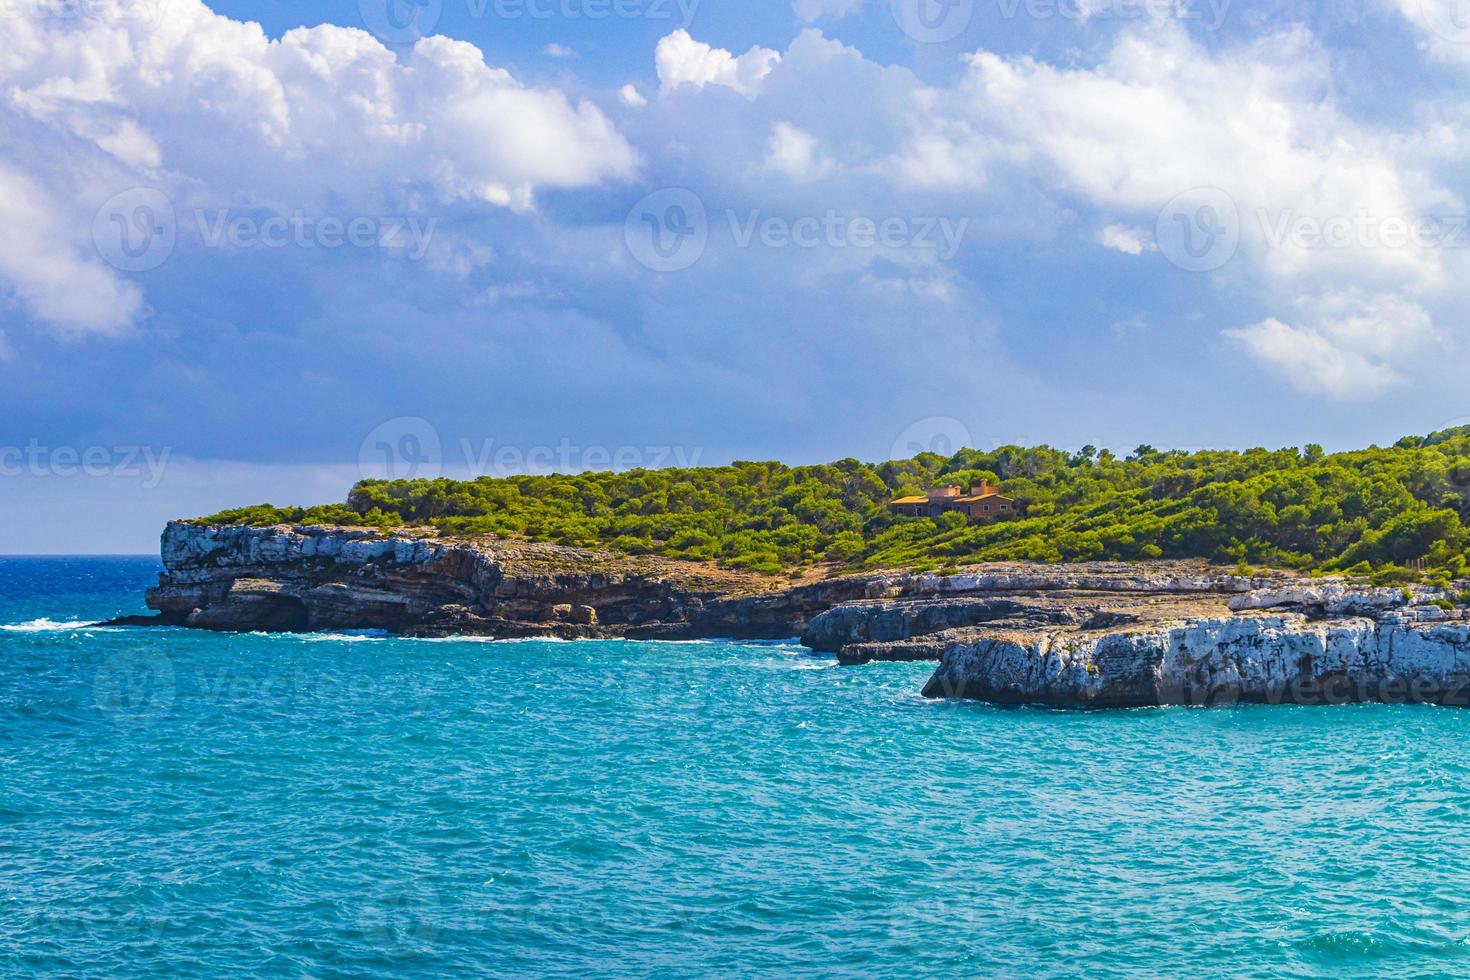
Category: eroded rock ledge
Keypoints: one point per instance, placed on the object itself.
(1265, 660)
(1095, 635)
(240, 578)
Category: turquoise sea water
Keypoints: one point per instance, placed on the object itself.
(189, 804)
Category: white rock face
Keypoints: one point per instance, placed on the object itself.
(1055, 578)
(1283, 659)
(1334, 597)
(194, 545)
(304, 578)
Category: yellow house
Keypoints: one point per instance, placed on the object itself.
(982, 503)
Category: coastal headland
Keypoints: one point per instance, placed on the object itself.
(1091, 634)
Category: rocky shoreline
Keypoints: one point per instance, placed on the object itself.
(1106, 635)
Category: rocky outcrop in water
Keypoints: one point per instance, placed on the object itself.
(241, 578)
(1269, 660)
(1093, 635)
(301, 579)
(237, 578)
(1297, 641)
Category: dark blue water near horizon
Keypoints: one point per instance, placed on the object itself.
(185, 804)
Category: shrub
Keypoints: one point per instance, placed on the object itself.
(1367, 513)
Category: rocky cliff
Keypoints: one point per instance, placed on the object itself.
(1092, 635)
(304, 578)
(1268, 660)
(296, 579)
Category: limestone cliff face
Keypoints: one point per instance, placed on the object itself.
(1096, 635)
(241, 578)
(1276, 659)
(299, 579)
(319, 578)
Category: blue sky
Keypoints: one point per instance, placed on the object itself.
(257, 251)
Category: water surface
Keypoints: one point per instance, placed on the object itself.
(193, 804)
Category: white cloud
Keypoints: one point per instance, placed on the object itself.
(793, 152)
(1441, 25)
(50, 272)
(1310, 361)
(1163, 115)
(554, 50)
(214, 114)
(1131, 241)
(681, 60)
(630, 96)
(1349, 346)
(1109, 146)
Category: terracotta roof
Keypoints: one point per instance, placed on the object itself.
(912, 500)
(987, 496)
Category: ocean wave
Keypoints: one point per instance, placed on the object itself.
(331, 636)
(345, 636)
(44, 625)
(791, 647)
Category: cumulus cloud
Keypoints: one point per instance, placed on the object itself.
(213, 113)
(1441, 26)
(681, 60)
(1162, 116)
(50, 270)
(1158, 117)
(1046, 158)
(1130, 241)
(794, 152)
(1346, 346)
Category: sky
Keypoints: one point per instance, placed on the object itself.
(258, 251)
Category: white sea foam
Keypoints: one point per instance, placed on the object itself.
(44, 625)
(348, 636)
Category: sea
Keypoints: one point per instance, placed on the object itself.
(175, 803)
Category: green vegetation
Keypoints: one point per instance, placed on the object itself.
(1370, 513)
